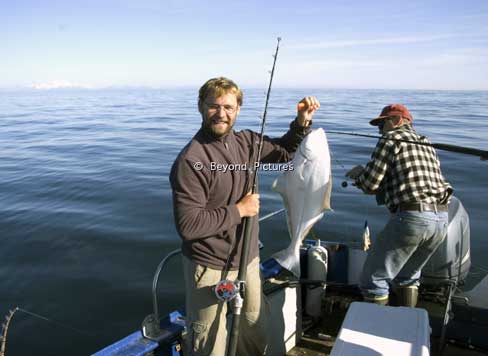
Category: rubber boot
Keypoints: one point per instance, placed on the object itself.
(407, 296)
(383, 300)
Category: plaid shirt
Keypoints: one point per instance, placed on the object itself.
(404, 172)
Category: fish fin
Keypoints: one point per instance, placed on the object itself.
(310, 224)
(328, 193)
(289, 260)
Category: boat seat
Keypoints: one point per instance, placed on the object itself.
(371, 329)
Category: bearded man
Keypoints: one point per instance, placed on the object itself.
(210, 204)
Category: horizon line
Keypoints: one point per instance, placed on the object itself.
(252, 87)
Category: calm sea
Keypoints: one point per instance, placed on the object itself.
(85, 201)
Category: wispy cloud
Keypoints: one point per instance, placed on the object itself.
(340, 63)
(467, 57)
(373, 41)
(58, 84)
(173, 7)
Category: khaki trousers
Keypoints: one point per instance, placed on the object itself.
(207, 324)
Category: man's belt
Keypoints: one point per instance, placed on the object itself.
(421, 207)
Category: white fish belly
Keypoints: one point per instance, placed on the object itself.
(306, 194)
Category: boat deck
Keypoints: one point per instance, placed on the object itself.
(319, 337)
(312, 345)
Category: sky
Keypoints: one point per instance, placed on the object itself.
(177, 43)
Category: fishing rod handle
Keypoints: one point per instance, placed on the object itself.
(234, 335)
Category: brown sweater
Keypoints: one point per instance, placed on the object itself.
(205, 197)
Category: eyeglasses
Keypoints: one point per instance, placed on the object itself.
(381, 124)
(213, 108)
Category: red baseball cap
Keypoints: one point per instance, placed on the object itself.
(392, 110)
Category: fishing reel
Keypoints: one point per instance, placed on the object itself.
(226, 290)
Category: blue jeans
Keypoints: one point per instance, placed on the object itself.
(401, 250)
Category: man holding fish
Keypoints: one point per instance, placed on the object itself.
(209, 208)
(404, 173)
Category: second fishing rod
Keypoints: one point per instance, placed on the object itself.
(482, 154)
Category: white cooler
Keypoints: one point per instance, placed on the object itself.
(370, 329)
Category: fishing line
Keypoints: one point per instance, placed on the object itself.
(267, 216)
(481, 268)
(344, 182)
(52, 321)
(8, 319)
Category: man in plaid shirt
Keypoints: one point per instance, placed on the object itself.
(404, 173)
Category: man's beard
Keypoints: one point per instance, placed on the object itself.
(217, 127)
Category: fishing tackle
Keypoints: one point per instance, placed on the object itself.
(226, 290)
(482, 154)
(241, 277)
(3, 335)
(440, 146)
(8, 319)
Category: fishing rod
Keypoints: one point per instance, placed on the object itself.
(248, 222)
(482, 154)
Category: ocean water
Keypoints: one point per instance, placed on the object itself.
(85, 201)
